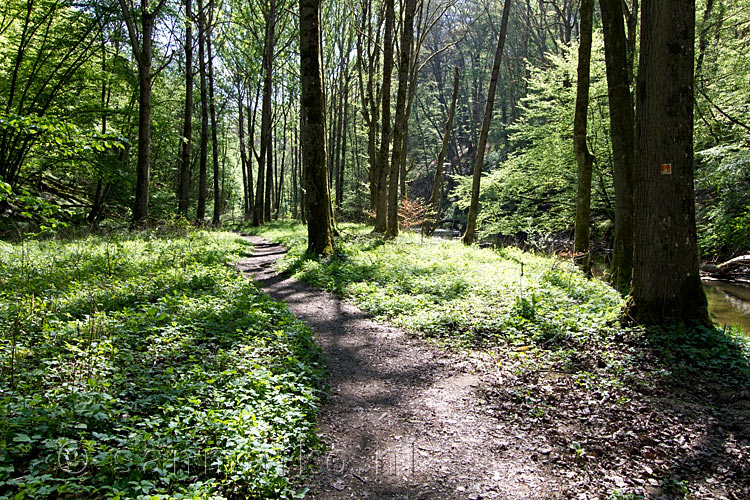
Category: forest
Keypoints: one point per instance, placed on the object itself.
(263, 249)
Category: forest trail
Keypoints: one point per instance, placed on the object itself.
(403, 419)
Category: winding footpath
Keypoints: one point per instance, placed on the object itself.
(403, 419)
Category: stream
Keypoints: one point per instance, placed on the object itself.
(728, 304)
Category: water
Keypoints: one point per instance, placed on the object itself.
(728, 304)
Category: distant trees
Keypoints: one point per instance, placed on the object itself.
(436, 198)
(469, 234)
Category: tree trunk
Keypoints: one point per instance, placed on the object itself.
(381, 173)
(436, 199)
(339, 124)
(183, 192)
(268, 202)
(584, 158)
(243, 152)
(262, 211)
(623, 139)
(370, 98)
(203, 165)
(471, 222)
(280, 183)
(251, 151)
(666, 286)
(342, 164)
(216, 219)
(399, 129)
(313, 130)
(295, 171)
(143, 55)
(631, 23)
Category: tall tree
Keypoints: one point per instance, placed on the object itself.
(203, 162)
(368, 58)
(313, 130)
(381, 174)
(263, 200)
(666, 285)
(623, 138)
(471, 222)
(143, 52)
(216, 219)
(183, 191)
(399, 129)
(584, 158)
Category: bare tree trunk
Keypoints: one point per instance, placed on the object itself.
(666, 286)
(183, 191)
(313, 130)
(584, 158)
(342, 164)
(295, 171)
(471, 222)
(436, 199)
(142, 50)
(202, 174)
(369, 53)
(243, 152)
(143, 170)
(280, 183)
(251, 150)
(381, 205)
(631, 23)
(268, 202)
(216, 219)
(262, 195)
(623, 139)
(407, 38)
(338, 128)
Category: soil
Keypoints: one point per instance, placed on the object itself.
(407, 419)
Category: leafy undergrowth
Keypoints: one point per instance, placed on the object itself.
(620, 413)
(144, 366)
(443, 289)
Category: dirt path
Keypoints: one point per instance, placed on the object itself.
(403, 419)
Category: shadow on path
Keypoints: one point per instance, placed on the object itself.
(402, 419)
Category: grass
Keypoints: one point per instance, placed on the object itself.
(446, 290)
(143, 366)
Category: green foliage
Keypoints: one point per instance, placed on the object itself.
(54, 136)
(444, 289)
(622, 495)
(143, 366)
(723, 189)
(533, 191)
(27, 212)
